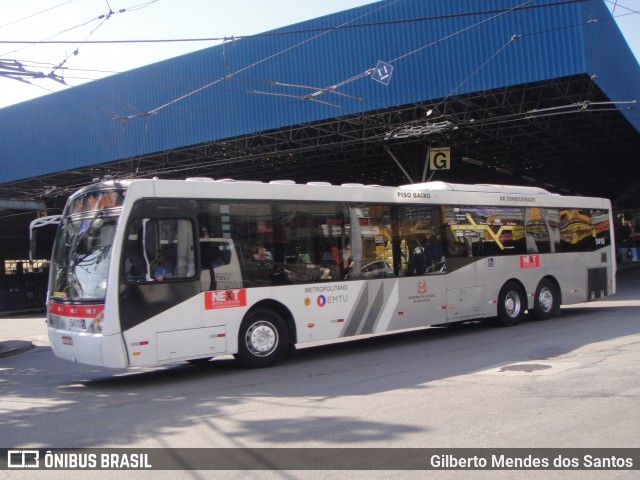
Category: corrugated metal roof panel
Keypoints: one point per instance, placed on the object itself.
(438, 48)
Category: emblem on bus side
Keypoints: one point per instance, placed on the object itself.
(529, 261)
(225, 299)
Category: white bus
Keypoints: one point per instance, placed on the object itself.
(147, 272)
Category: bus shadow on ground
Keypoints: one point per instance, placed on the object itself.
(181, 396)
(393, 361)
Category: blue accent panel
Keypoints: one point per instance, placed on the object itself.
(438, 49)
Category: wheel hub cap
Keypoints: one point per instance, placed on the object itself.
(545, 300)
(512, 304)
(262, 338)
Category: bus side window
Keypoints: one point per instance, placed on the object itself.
(485, 231)
(135, 268)
(456, 245)
(418, 241)
(310, 243)
(159, 250)
(584, 230)
(219, 264)
(537, 230)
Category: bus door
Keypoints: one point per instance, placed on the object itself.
(461, 244)
(159, 296)
(418, 264)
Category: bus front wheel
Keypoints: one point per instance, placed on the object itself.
(263, 339)
(511, 304)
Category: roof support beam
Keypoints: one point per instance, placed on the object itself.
(29, 205)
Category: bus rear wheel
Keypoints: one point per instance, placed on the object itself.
(545, 304)
(263, 339)
(511, 304)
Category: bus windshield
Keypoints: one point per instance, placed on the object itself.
(80, 263)
(81, 255)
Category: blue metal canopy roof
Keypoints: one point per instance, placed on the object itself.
(318, 70)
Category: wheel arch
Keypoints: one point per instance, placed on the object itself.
(518, 282)
(281, 310)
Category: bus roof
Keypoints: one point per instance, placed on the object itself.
(482, 187)
(437, 185)
(437, 191)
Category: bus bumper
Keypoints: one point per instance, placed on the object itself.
(91, 349)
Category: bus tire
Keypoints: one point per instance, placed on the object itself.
(263, 339)
(511, 304)
(545, 303)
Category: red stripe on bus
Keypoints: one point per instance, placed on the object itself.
(76, 311)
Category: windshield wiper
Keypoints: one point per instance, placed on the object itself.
(83, 233)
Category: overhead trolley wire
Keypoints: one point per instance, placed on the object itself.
(293, 32)
(572, 108)
(247, 67)
(281, 32)
(52, 74)
(36, 14)
(332, 88)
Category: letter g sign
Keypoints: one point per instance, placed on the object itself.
(440, 158)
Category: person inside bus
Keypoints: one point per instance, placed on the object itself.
(329, 262)
(434, 253)
(90, 203)
(163, 268)
(348, 275)
(419, 259)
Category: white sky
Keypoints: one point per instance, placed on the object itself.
(40, 20)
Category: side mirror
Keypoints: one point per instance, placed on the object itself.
(32, 244)
(37, 223)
